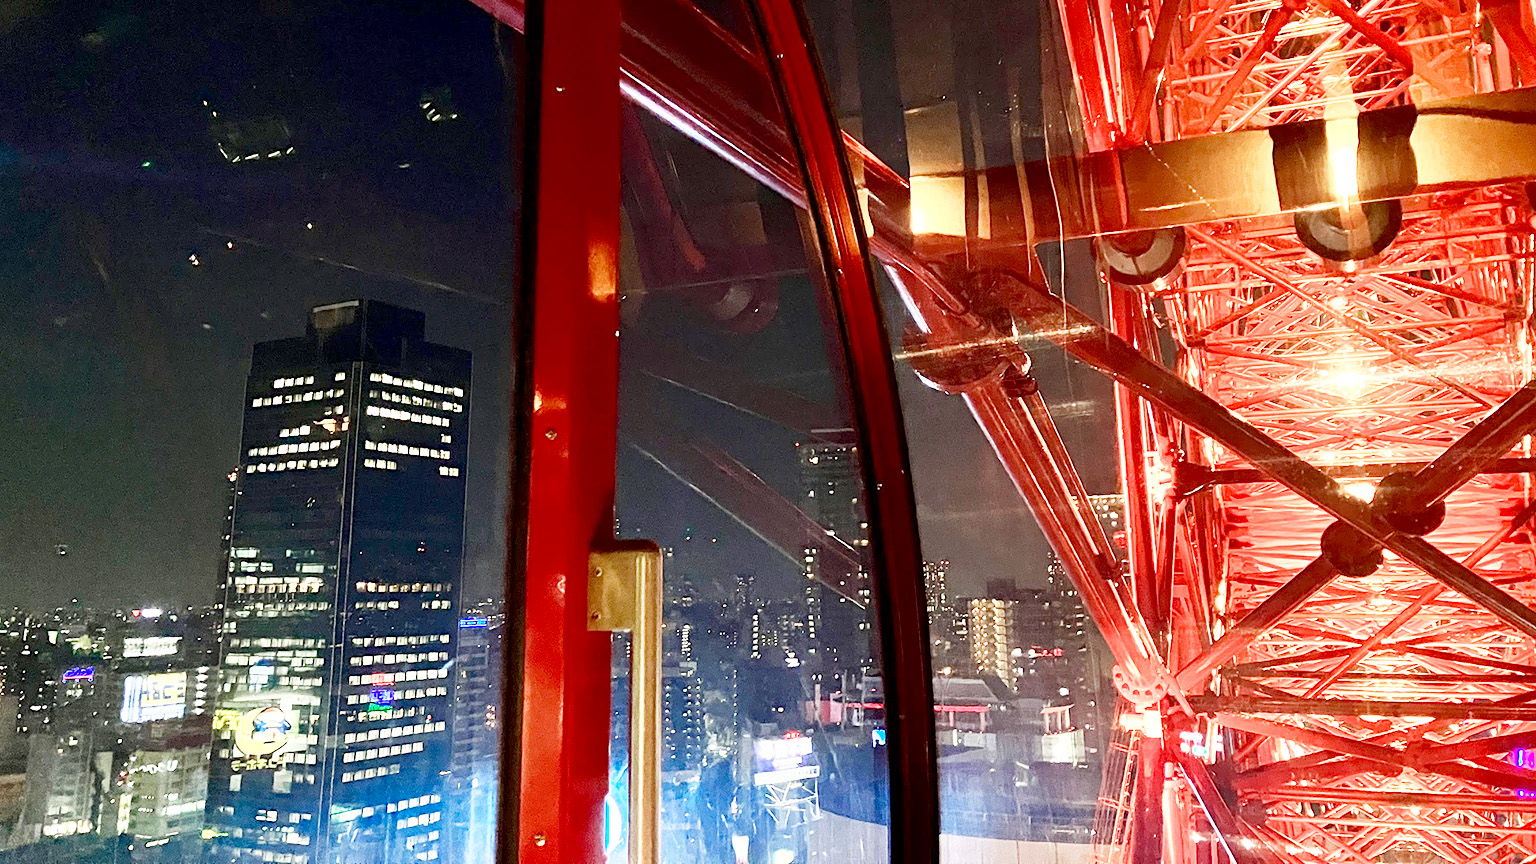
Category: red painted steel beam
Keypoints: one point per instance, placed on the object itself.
(1010, 412)
(1382, 798)
(1242, 843)
(1511, 24)
(1394, 49)
(722, 480)
(1131, 440)
(1526, 830)
(1398, 677)
(1482, 446)
(1169, 17)
(1462, 659)
(1487, 775)
(671, 249)
(1503, 710)
(1147, 835)
(1274, 20)
(1256, 623)
(1016, 437)
(1312, 768)
(1083, 338)
(1425, 597)
(1474, 748)
(729, 386)
(1089, 60)
(898, 578)
(568, 376)
(1313, 738)
(1284, 285)
(1195, 477)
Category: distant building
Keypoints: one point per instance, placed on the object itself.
(34, 675)
(340, 613)
(837, 631)
(165, 789)
(950, 649)
(477, 725)
(125, 749)
(936, 582)
(993, 633)
(257, 139)
(682, 718)
(1081, 677)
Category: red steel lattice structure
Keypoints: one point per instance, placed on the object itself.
(1362, 710)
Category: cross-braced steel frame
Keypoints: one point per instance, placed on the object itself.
(1346, 683)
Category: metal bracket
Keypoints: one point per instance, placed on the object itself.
(616, 578)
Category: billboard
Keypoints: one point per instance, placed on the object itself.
(783, 760)
(150, 646)
(160, 696)
(263, 738)
(263, 731)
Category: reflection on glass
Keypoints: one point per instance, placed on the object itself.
(738, 457)
(952, 99)
(255, 482)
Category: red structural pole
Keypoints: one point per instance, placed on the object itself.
(568, 318)
(1130, 419)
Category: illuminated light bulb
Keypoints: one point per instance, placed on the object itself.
(1338, 304)
(1343, 137)
(1341, 132)
(1346, 378)
(1364, 490)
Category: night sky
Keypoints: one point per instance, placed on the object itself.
(124, 360)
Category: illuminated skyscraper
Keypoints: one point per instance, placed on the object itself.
(993, 630)
(332, 739)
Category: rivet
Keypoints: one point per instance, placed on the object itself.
(539, 839)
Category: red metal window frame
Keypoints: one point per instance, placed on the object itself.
(900, 598)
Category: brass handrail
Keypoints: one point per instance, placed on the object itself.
(624, 594)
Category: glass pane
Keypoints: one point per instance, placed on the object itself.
(256, 265)
(953, 98)
(1306, 219)
(738, 456)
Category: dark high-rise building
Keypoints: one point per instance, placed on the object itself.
(476, 734)
(836, 629)
(332, 722)
(949, 649)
